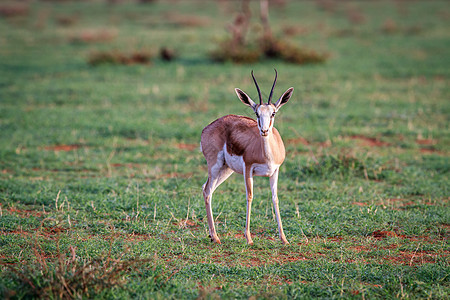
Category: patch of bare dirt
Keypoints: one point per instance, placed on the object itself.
(50, 233)
(400, 202)
(25, 213)
(325, 144)
(428, 146)
(430, 151)
(63, 147)
(335, 238)
(368, 141)
(190, 147)
(413, 258)
(176, 175)
(426, 141)
(397, 200)
(129, 165)
(381, 234)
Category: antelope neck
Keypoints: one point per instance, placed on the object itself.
(266, 148)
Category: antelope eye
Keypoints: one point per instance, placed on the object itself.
(273, 114)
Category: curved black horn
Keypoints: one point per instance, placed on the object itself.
(257, 87)
(273, 86)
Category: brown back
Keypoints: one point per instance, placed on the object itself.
(243, 139)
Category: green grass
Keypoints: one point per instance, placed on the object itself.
(101, 173)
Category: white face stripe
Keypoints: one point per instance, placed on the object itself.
(265, 117)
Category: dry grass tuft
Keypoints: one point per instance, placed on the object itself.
(277, 48)
(66, 276)
(120, 58)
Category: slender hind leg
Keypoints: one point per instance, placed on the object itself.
(215, 178)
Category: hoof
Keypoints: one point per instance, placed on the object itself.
(249, 239)
(215, 240)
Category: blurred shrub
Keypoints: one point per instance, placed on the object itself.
(228, 51)
(277, 48)
(266, 48)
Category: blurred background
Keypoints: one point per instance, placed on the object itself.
(84, 78)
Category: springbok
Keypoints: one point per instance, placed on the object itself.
(248, 147)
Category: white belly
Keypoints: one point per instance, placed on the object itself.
(236, 163)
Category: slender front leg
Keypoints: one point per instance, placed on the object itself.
(274, 188)
(248, 177)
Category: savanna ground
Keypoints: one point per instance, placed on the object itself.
(101, 173)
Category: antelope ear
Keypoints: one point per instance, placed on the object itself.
(284, 98)
(245, 98)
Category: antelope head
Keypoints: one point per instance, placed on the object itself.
(265, 112)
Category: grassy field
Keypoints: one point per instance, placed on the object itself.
(101, 173)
